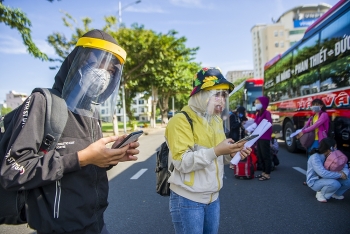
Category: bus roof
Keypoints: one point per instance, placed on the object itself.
(256, 81)
(328, 16)
(272, 61)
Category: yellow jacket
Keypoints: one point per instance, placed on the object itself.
(198, 172)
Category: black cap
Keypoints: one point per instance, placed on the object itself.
(96, 33)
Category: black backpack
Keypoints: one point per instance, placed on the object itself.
(162, 171)
(12, 210)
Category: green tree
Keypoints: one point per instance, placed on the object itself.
(5, 110)
(17, 19)
(181, 99)
(236, 99)
(179, 82)
(156, 64)
(170, 70)
(139, 45)
(178, 69)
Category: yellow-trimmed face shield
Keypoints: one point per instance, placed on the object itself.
(103, 45)
(92, 83)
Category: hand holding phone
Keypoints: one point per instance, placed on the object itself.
(132, 137)
(248, 138)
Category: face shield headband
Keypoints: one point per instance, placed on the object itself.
(95, 43)
(92, 83)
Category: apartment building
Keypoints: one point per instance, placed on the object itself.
(141, 107)
(14, 99)
(270, 40)
(232, 76)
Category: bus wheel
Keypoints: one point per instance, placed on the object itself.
(290, 141)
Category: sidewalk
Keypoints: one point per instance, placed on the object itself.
(147, 131)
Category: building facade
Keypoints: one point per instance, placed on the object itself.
(140, 106)
(14, 99)
(232, 76)
(270, 40)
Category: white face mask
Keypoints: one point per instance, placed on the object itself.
(316, 109)
(95, 81)
(258, 106)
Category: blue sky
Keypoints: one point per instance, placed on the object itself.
(221, 28)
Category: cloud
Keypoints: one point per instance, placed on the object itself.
(12, 45)
(192, 4)
(45, 47)
(279, 6)
(279, 9)
(185, 22)
(149, 9)
(196, 3)
(230, 65)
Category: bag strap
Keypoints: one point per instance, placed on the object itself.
(171, 167)
(55, 118)
(188, 119)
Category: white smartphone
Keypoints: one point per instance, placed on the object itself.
(248, 138)
(130, 138)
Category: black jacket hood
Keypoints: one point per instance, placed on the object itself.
(61, 75)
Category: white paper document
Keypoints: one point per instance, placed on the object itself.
(248, 123)
(260, 130)
(296, 133)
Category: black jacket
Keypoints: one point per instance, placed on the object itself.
(235, 125)
(236, 129)
(62, 197)
(59, 190)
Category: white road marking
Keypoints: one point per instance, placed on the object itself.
(300, 170)
(138, 174)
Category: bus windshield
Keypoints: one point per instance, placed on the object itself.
(252, 90)
(252, 94)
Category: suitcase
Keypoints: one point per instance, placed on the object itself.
(244, 169)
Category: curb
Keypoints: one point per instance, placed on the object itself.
(147, 131)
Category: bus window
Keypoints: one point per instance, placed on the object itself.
(282, 80)
(252, 90)
(269, 83)
(335, 70)
(306, 81)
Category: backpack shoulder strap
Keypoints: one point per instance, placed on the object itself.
(171, 167)
(188, 119)
(55, 118)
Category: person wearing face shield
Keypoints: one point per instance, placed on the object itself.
(199, 155)
(318, 122)
(68, 186)
(263, 143)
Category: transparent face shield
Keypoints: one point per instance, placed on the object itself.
(92, 83)
(218, 107)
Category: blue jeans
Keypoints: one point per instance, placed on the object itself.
(314, 145)
(191, 217)
(328, 187)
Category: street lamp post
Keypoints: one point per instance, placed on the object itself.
(122, 80)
